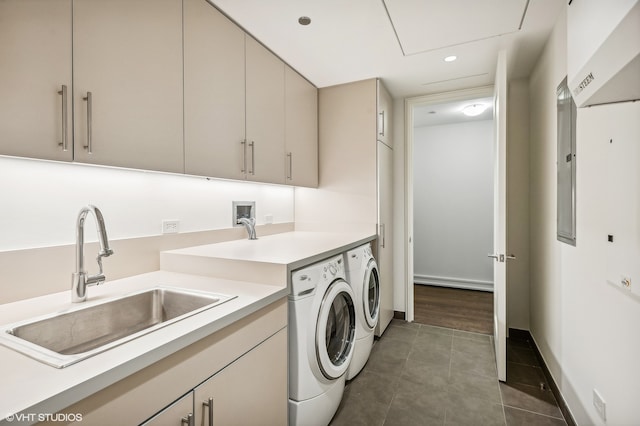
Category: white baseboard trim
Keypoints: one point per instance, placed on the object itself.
(462, 283)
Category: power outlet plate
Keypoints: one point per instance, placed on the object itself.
(170, 226)
(601, 406)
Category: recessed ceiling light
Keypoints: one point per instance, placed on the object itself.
(473, 110)
(304, 20)
(450, 58)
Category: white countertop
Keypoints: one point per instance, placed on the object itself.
(30, 386)
(291, 249)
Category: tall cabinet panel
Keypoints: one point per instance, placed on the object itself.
(214, 93)
(127, 65)
(35, 79)
(301, 130)
(265, 114)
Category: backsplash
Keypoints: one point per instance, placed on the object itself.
(41, 200)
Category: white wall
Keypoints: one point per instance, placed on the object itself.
(586, 329)
(453, 204)
(41, 201)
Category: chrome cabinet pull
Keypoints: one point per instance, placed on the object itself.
(89, 146)
(252, 144)
(382, 236)
(63, 92)
(188, 420)
(244, 156)
(382, 127)
(290, 171)
(209, 404)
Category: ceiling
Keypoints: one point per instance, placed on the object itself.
(403, 42)
(435, 114)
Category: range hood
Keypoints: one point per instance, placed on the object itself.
(612, 74)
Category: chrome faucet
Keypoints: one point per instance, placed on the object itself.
(250, 224)
(81, 279)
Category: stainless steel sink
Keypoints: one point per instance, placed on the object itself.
(64, 338)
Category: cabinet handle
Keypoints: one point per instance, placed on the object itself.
(290, 172)
(209, 404)
(63, 92)
(382, 236)
(188, 420)
(89, 145)
(252, 144)
(244, 156)
(382, 126)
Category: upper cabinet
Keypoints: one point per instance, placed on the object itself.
(214, 93)
(301, 130)
(265, 114)
(385, 115)
(35, 79)
(166, 85)
(127, 67)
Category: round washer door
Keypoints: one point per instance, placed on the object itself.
(335, 330)
(371, 294)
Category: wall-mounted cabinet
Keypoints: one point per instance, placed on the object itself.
(301, 130)
(130, 61)
(385, 115)
(127, 72)
(35, 79)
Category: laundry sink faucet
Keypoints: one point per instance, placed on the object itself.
(80, 279)
(250, 224)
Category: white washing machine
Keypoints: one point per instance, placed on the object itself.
(362, 273)
(322, 324)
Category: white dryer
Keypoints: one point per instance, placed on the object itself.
(362, 273)
(322, 324)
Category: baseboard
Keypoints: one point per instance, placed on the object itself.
(453, 282)
(564, 408)
(398, 315)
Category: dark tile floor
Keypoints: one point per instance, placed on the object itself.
(426, 375)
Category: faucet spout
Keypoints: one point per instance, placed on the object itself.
(80, 278)
(250, 224)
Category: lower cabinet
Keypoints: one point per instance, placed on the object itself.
(241, 368)
(250, 391)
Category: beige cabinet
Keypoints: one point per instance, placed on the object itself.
(214, 93)
(35, 79)
(301, 130)
(265, 160)
(174, 414)
(385, 115)
(127, 70)
(385, 234)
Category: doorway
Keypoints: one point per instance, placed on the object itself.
(450, 172)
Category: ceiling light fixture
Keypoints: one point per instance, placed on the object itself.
(450, 58)
(304, 20)
(474, 110)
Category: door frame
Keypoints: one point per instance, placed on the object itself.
(409, 105)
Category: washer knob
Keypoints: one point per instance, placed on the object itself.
(333, 269)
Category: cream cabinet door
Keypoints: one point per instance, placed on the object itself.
(385, 115)
(127, 64)
(214, 93)
(35, 65)
(385, 235)
(250, 391)
(265, 114)
(301, 130)
(176, 414)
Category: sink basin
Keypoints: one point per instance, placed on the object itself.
(64, 338)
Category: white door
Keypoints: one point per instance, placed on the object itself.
(499, 217)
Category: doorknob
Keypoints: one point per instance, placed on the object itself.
(511, 256)
(495, 256)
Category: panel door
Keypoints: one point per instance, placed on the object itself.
(127, 63)
(265, 114)
(35, 65)
(301, 130)
(214, 93)
(385, 115)
(385, 235)
(250, 391)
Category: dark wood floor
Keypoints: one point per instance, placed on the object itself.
(467, 310)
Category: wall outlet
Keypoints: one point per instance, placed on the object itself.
(170, 226)
(601, 406)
